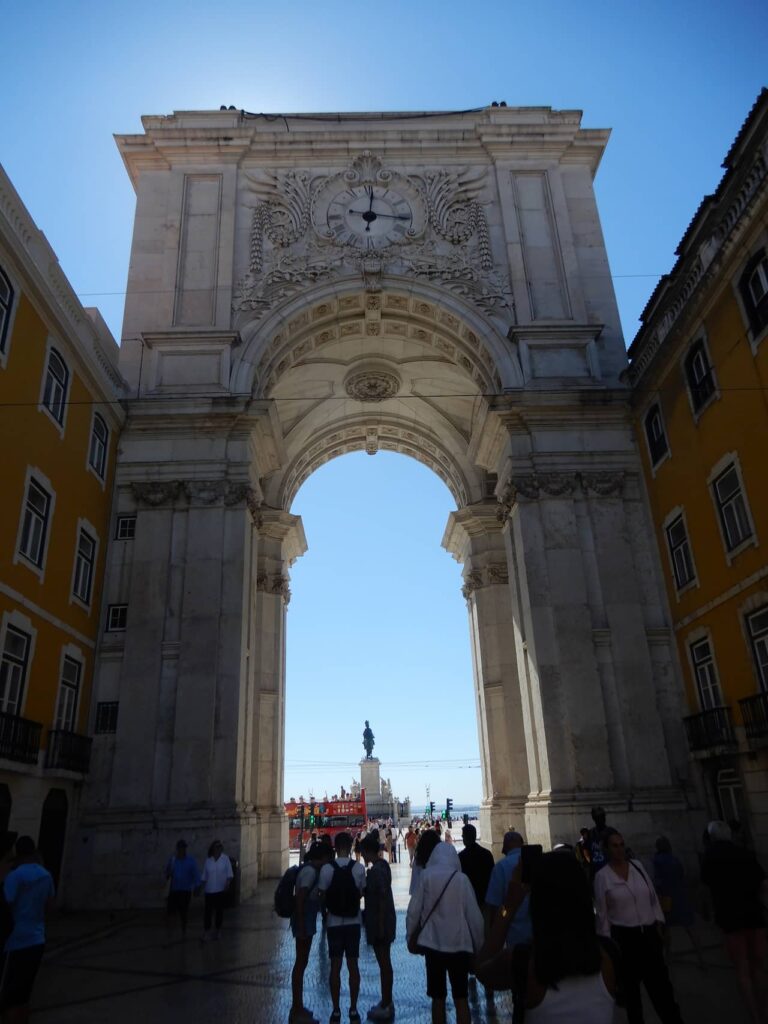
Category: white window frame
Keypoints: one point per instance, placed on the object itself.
(720, 467)
(21, 624)
(678, 512)
(699, 338)
(120, 518)
(42, 406)
(72, 654)
(87, 528)
(760, 667)
(109, 628)
(755, 339)
(19, 558)
(101, 476)
(655, 403)
(716, 690)
(6, 331)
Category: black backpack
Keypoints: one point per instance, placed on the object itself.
(343, 896)
(285, 893)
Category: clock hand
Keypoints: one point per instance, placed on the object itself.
(395, 216)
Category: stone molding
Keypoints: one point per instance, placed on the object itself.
(495, 574)
(275, 584)
(535, 486)
(162, 493)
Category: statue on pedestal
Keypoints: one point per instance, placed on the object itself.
(368, 740)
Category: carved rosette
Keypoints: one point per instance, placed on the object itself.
(372, 385)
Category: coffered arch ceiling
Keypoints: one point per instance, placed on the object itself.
(370, 371)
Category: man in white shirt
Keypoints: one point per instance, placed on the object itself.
(341, 883)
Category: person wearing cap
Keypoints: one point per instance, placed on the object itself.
(184, 877)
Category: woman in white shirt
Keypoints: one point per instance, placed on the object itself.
(216, 879)
(628, 911)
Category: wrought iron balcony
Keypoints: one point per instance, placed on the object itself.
(19, 738)
(710, 729)
(754, 711)
(68, 750)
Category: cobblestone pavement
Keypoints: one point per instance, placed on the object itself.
(127, 968)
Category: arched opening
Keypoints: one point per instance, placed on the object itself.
(378, 631)
(53, 830)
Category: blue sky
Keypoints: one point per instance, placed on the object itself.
(673, 80)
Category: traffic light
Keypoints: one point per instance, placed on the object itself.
(312, 814)
(448, 809)
(431, 808)
(444, 815)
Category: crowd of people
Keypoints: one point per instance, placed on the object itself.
(572, 933)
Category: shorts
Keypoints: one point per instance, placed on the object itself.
(17, 975)
(456, 965)
(344, 940)
(178, 902)
(310, 920)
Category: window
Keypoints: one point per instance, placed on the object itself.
(706, 675)
(732, 508)
(126, 528)
(680, 553)
(34, 530)
(117, 617)
(6, 303)
(106, 716)
(55, 390)
(13, 669)
(97, 452)
(69, 690)
(700, 377)
(654, 431)
(84, 559)
(757, 624)
(754, 291)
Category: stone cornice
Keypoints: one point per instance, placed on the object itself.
(468, 522)
(44, 279)
(276, 524)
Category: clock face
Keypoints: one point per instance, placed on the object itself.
(369, 216)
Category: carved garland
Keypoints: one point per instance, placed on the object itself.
(493, 575)
(532, 486)
(157, 494)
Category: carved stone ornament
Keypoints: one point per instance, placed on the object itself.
(304, 231)
(498, 574)
(372, 385)
(530, 486)
(603, 484)
(156, 493)
(472, 581)
(277, 585)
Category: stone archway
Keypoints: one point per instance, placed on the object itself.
(481, 337)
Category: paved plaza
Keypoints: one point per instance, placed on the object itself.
(125, 968)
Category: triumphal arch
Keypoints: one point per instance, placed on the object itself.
(434, 284)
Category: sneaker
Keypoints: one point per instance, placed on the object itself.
(379, 1012)
(335, 1017)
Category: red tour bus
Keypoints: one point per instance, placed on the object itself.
(324, 816)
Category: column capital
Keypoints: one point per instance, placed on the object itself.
(284, 527)
(478, 520)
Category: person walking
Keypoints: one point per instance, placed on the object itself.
(628, 912)
(445, 923)
(672, 890)
(477, 864)
(380, 922)
(428, 840)
(735, 880)
(184, 877)
(519, 930)
(29, 893)
(411, 838)
(215, 880)
(341, 885)
(304, 927)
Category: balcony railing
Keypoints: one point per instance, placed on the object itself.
(19, 738)
(754, 711)
(68, 750)
(709, 729)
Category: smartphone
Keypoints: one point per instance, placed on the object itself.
(529, 859)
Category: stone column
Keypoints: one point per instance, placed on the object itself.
(594, 733)
(474, 536)
(281, 541)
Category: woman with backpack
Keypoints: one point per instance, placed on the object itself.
(380, 922)
(445, 923)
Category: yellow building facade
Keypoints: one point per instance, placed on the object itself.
(699, 372)
(60, 418)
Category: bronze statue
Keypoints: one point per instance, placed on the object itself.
(368, 740)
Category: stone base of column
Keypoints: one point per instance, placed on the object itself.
(498, 816)
(117, 860)
(641, 817)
